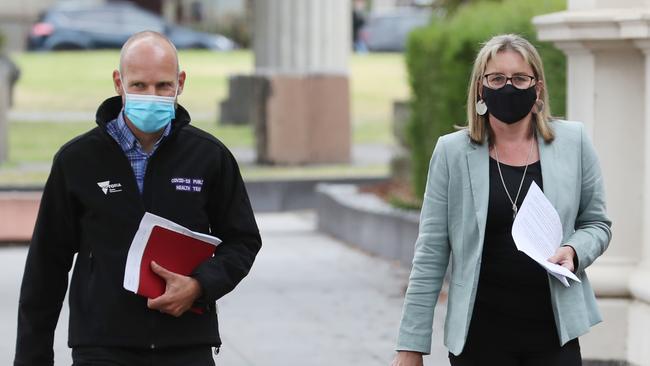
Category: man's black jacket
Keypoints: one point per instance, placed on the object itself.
(191, 179)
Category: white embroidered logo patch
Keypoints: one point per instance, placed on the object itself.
(187, 184)
(107, 187)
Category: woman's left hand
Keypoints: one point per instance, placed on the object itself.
(564, 257)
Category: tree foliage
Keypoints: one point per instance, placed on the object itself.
(439, 61)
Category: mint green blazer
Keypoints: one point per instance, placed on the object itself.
(452, 227)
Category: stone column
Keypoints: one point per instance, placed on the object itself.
(298, 37)
(302, 49)
(608, 90)
(640, 279)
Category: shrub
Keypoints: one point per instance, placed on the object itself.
(439, 60)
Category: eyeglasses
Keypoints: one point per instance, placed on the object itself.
(519, 81)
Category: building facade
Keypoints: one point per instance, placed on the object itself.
(607, 43)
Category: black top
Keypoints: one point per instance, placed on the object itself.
(77, 216)
(513, 301)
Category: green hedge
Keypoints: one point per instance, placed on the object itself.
(439, 61)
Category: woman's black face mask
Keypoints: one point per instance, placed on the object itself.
(509, 104)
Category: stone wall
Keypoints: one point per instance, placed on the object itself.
(364, 221)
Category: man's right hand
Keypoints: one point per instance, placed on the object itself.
(408, 358)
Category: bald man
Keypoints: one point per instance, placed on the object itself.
(143, 156)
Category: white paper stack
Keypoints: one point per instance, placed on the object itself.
(537, 231)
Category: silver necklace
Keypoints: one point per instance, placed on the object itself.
(514, 203)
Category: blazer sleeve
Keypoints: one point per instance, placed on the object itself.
(45, 279)
(232, 220)
(430, 260)
(592, 226)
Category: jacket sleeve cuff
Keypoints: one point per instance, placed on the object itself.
(413, 343)
(203, 301)
(576, 261)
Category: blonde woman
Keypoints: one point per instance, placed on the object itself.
(503, 308)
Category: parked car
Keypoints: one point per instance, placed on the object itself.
(79, 27)
(388, 31)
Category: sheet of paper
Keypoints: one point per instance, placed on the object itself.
(537, 231)
(134, 257)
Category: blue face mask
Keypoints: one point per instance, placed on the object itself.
(149, 113)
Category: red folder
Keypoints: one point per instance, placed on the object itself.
(175, 252)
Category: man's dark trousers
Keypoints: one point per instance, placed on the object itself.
(114, 356)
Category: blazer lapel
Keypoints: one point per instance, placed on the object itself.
(548, 159)
(479, 171)
(478, 164)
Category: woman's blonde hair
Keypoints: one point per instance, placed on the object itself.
(479, 128)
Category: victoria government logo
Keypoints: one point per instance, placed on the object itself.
(107, 187)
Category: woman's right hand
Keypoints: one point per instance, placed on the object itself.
(408, 358)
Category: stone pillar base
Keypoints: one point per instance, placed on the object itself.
(607, 341)
(307, 120)
(639, 334)
(238, 108)
(622, 337)
(18, 211)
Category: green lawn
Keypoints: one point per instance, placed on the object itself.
(35, 142)
(78, 81)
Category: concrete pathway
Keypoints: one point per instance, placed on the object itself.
(310, 300)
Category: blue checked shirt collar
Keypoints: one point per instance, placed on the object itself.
(121, 132)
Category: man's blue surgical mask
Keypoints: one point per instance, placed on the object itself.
(149, 113)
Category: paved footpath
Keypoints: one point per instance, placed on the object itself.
(309, 301)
